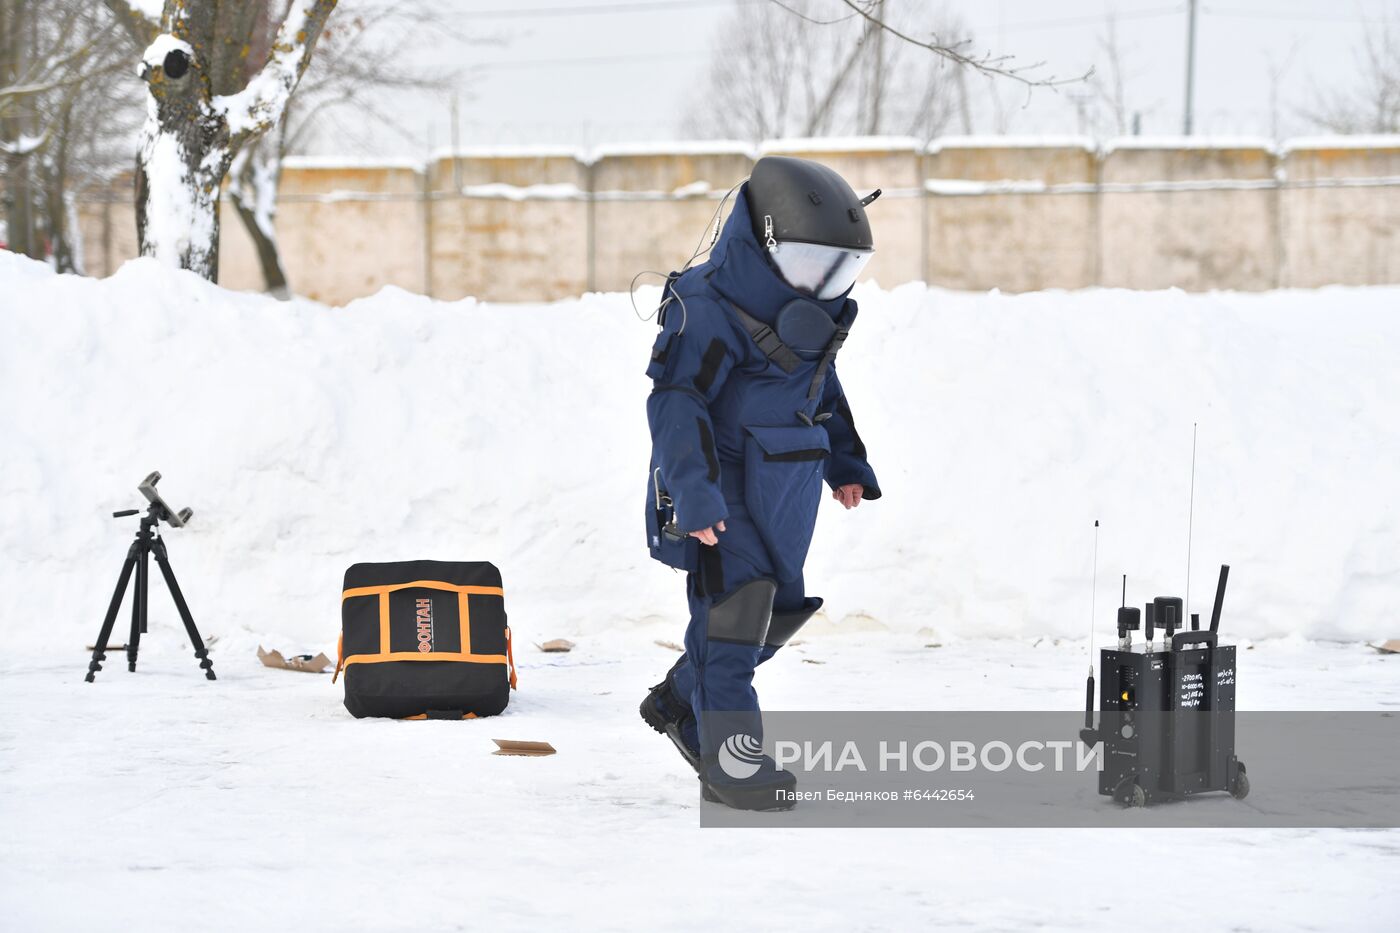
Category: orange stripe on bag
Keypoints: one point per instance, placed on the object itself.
(464, 611)
(422, 585)
(464, 615)
(510, 657)
(339, 656)
(384, 622)
(432, 656)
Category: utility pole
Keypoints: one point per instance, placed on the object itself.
(1190, 68)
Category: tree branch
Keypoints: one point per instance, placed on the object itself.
(996, 65)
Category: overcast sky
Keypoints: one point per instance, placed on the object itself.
(583, 72)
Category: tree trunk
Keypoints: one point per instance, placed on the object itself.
(181, 164)
(60, 218)
(15, 32)
(21, 235)
(196, 124)
(253, 190)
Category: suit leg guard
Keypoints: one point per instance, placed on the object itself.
(743, 617)
(785, 624)
(735, 627)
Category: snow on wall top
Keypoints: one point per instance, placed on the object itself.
(664, 148)
(547, 192)
(1379, 141)
(1189, 142)
(508, 151)
(350, 162)
(856, 144)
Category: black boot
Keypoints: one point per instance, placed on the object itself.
(766, 789)
(669, 714)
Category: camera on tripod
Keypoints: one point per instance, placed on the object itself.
(148, 541)
(162, 511)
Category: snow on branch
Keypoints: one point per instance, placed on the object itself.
(24, 145)
(259, 106)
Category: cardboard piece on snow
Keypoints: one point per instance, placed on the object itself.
(1389, 647)
(297, 662)
(556, 645)
(520, 747)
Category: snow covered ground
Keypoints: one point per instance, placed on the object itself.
(160, 801)
(309, 438)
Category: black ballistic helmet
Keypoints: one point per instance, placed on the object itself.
(811, 224)
(808, 203)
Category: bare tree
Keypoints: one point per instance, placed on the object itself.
(960, 52)
(1373, 104)
(917, 94)
(203, 109)
(1109, 85)
(1106, 106)
(761, 88)
(58, 120)
(826, 77)
(368, 48)
(1277, 68)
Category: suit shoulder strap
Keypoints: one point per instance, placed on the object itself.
(767, 340)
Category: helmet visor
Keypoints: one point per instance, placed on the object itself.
(823, 272)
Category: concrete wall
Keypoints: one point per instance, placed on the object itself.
(1007, 213)
(345, 231)
(1185, 226)
(992, 224)
(509, 227)
(1333, 232)
(650, 210)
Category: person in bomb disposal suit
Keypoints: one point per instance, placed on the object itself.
(747, 419)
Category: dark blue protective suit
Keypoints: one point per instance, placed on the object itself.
(744, 434)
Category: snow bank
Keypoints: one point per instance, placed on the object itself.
(308, 438)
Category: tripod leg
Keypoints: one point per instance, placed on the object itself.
(99, 649)
(138, 607)
(200, 651)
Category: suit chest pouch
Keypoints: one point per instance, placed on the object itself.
(805, 328)
(666, 542)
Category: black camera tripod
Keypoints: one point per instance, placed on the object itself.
(148, 542)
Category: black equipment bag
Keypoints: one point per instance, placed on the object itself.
(425, 639)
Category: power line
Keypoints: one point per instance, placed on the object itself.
(1305, 17)
(661, 6)
(598, 60)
